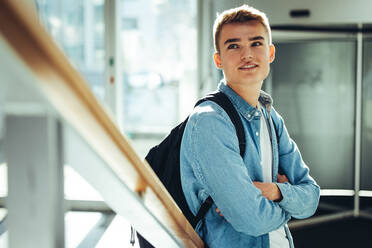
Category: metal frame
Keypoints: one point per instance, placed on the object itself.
(76, 205)
(113, 70)
(340, 213)
(320, 219)
(294, 36)
(96, 233)
(358, 120)
(87, 206)
(207, 74)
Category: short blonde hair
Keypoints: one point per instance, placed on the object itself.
(240, 14)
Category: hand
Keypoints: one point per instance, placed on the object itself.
(282, 179)
(269, 191)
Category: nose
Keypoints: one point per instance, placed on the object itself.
(246, 54)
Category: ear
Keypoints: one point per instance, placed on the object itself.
(272, 53)
(217, 60)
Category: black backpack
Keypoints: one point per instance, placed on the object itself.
(165, 161)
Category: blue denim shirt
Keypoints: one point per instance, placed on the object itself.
(211, 165)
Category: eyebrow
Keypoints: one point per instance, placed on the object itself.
(238, 39)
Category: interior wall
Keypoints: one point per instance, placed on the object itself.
(321, 12)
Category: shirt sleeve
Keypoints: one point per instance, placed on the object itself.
(301, 194)
(218, 166)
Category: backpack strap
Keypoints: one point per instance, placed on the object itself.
(207, 204)
(280, 170)
(275, 129)
(223, 101)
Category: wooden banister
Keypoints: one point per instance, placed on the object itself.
(67, 91)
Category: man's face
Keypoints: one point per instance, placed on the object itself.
(245, 54)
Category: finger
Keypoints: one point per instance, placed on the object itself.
(257, 184)
(282, 178)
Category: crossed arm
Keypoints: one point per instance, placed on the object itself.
(270, 191)
(249, 206)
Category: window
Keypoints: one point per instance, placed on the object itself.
(159, 51)
(77, 26)
(159, 56)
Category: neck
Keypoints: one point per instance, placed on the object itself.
(250, 93)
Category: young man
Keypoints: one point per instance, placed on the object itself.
(252, 202)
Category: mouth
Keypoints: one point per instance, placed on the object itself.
(248, 67)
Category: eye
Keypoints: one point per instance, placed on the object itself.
(233, 46)
(257, 43)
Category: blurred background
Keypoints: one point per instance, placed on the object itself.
(159, 52)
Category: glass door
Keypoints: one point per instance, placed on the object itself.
(313, 82)
(366, 157)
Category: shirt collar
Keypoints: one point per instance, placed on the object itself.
(247, 110)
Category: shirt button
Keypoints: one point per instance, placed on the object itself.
(256, 114)
(249, 116)
(256, 133)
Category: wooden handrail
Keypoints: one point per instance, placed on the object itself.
(67, 91)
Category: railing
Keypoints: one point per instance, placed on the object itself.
(59, 117)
